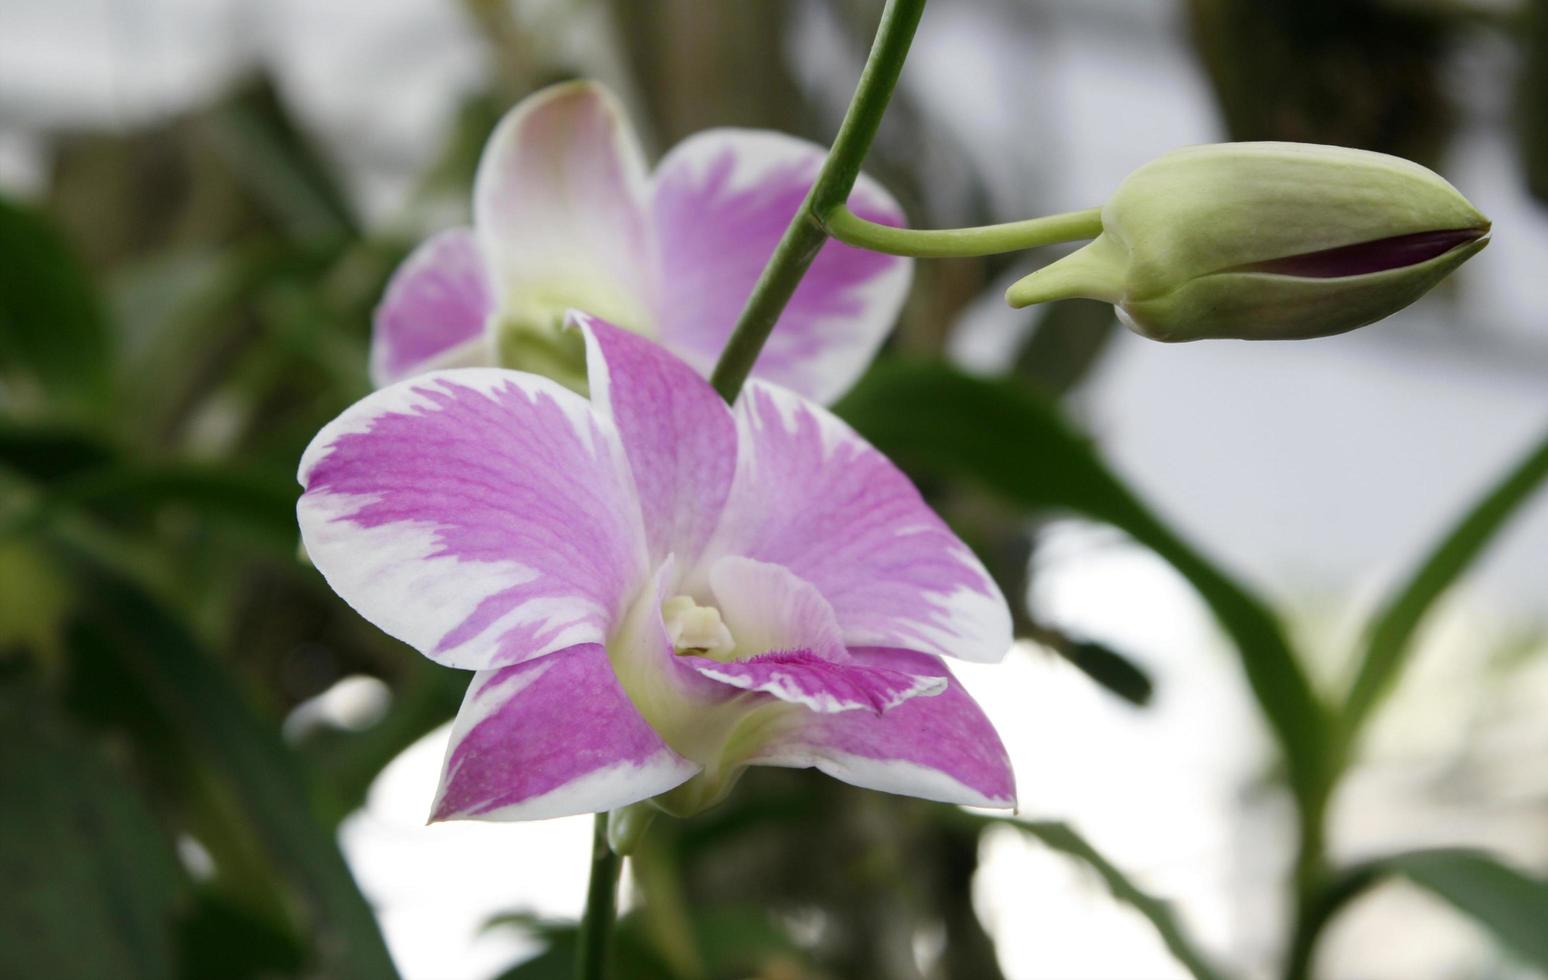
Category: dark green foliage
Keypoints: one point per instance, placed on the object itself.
(1361, 73)
(92, 886)
(53, 333)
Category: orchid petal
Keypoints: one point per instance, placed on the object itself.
(936, 748)
(483, 516)
(812, 496)
(721, 201)
(434, 310)
(679, 435)
(769, 608)
(550, 738)
(559, 206)
(823, 685)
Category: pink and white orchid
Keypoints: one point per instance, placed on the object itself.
(566, 216)
(656, 590)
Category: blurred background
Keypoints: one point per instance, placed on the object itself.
(211, 767)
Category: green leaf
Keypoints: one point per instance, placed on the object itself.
(268, 151)
(77, 471)
(221, 938)
(49, 452)
(52, 326)
(90, 881)
(1060, 837)
(630, 954)
(1392, 632)
(1532, 96)
(210, 718)
(258, 502)
(1112, 670)
(1510, 905)
(937, 420)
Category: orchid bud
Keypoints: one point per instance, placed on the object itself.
(1266, 241)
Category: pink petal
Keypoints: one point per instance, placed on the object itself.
(434, 310)
(812, 496)
(722, 198)
(936, 748)
(558, 204)
(550, 738)
(823, 685)
(482, 516)
(678, 433)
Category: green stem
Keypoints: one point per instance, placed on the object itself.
(601, 906)
(806, 234)
(1316, 911)
(947, 243)
(1311, 885)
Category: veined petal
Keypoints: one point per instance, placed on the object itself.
(822, 684)
(812, 496)
(679, 435)
(936, 748)
(483, 516)
(559, 207)
(550, 738)
(434, 310)
(721, 201)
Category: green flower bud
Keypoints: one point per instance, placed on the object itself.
(1266, 241)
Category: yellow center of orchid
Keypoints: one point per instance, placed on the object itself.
(696, 629)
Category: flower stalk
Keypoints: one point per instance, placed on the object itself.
(951, 243)
(596, 928)
(807, 232)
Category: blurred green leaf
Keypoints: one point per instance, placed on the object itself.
(1065, 344)
(220, 938)
(1510, 905)
(259, 139)
(48, 452)
(1111, 669)
(90, 881)
(1532, 97)
(1005, 438)
(1365, 73)
(1060, 837)
(52, 325)
(1392, 632)
(75, 471)
(630, 953)
(742, 941)
(211, 719)
(258, 502)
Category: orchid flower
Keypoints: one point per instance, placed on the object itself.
(656, 590)
(566, 216)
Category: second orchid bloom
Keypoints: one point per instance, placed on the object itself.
(565, 215)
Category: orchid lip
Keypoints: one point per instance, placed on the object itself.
(1365, 258)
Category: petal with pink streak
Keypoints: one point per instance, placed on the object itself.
(936, 748)
(821, 684)
(551, 738)
(559, 207)
(483, 516)
(812, 496)
(679, 435)
(721, 201)
(434, 310)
